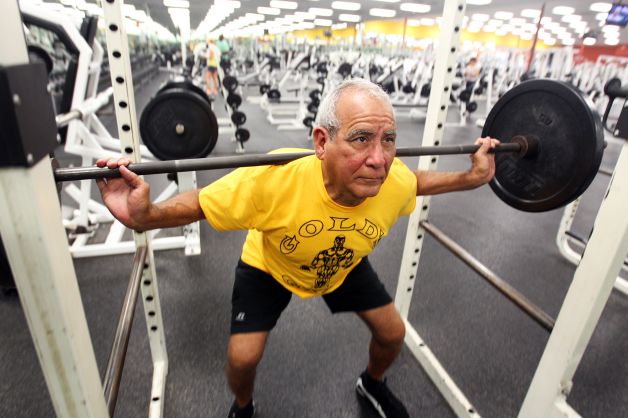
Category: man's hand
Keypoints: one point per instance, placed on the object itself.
(127, 197)
(483, 163)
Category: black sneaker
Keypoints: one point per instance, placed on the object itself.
(247, 412)
(382, 399)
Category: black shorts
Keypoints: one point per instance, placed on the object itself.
(212, 69)
(258, 300)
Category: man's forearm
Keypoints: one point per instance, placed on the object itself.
(182, 209)
(436, 182)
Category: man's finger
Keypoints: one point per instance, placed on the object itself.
(131, 178)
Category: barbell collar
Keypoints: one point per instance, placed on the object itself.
(214, 163)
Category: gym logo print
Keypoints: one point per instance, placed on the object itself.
(328, 262)
(313, 227)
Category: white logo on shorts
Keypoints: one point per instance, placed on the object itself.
(240, 316)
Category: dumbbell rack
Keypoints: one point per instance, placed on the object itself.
(227, 125)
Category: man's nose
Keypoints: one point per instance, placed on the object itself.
(376, 157)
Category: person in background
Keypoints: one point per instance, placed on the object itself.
(211, 75)
(471, 73)
(225, 49)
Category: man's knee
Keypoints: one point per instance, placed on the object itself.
(392, 332)
(386, 325)
(245, 350)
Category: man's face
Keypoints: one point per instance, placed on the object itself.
(356, 162)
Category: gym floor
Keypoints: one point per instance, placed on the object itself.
(489, 347)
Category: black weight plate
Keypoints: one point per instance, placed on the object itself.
(465, 95)
(230, 83)
(242, 134)
(274, 94)
(472, 107)
(178, 124)
(570, 145)
(425, 90)
(308, 121)
(612, 87)
(345, 69)
(186, 85)
(238, 118)
(234, 100)
(264, 88)
(408, 88)
(320, 80)
(315, 95)
(312, 108)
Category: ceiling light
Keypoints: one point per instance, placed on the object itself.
(526, 36)
(322, 22)
(345, 5)
(530, 13)
(567, 42)
(338, 26)
(305, 15)
(255, 16)
(382, 12)
(284, 4)
(611, 41)
(185, 4)
(571, 18)
(503, 15)
(518, 21)
(610, 28)
(489, 29)
(601, 16)
(348, 18)
(563, 10)
(321, 12)
(479, 2)
(414, 22)
(389, 1)
(588, 41)
(474, 29)
(268, 10)
(549, 41)
(415, 7)
(600, 7)
(480, 17)
(426, 21)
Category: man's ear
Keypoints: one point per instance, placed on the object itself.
(320, 137)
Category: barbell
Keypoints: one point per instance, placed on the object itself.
(552, 148)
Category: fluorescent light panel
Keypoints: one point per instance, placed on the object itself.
(382, 12)
(343, 17)
(322, 22)
(415, 7)
(563, 10)
(320, 11)
(268, 10)
(280, 4)
(600, 7)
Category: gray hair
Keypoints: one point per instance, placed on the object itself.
(326, 116)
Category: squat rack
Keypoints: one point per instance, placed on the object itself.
(51, 299)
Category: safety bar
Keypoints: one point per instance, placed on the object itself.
(123, 331)
(527, 306)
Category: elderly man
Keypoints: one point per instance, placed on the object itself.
(311, 223)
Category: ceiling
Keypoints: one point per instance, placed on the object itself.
(198, 10)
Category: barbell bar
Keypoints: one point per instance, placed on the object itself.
(200, 164)
(552, 143)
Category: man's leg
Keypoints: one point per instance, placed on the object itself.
(388, 331)
(243, 355)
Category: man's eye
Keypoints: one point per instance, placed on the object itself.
(390, 139)
(361, 139)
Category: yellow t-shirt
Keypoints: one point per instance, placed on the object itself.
(297, 233)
